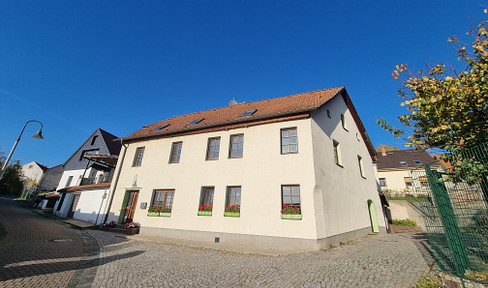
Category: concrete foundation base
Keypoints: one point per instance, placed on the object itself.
(254, 242)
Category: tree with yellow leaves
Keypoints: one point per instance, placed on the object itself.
(446, 111)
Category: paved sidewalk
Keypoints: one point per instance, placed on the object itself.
(373, 261)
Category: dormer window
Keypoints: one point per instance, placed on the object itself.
(196, 121)
(248, 113)
(160, 127)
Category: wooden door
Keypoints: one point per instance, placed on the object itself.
(131, 206)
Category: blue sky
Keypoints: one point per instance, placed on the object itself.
(117, 65)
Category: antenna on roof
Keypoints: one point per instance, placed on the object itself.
(232, 102)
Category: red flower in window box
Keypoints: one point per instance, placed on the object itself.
(290, 209)
(205, 208)
(233, 208)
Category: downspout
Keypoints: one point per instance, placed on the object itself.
(115, 181)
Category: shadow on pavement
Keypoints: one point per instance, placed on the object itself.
(48, 268)
(421, 241)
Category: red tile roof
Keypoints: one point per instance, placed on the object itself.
(265, 109)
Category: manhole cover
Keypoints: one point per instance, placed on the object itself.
(62, 240)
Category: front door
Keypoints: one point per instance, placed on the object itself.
(130, 208)
(373, 218)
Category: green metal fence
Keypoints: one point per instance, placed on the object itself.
(456, 215)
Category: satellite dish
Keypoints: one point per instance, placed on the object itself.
(232, 102)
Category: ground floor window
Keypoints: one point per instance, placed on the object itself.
(290, 202)
(233, 201)
(206, 201)
(162, 202)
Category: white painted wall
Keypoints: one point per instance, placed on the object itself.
(91, 202)
(77, 175)
(260, 173)
(34, 173)
(65, 207)
(341, 193)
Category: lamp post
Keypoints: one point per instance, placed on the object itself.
(38, 135)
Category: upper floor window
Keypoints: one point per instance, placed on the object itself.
(361, 168)
(213, 148)
(382, 182)
(68, 182)
(236, 146)
(94, 139)
(138, 157)
(337, 153)
(31, 166)
(408, 181)
(289, 141)
(175, 152)
(343, 121)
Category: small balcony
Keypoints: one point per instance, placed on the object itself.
(96, 180)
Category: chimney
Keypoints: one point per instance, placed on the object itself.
(383, 151)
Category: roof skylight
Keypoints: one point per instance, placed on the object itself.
(404, 163)
(196, 121)
(418, 162)
(160, 127)
(248, 113)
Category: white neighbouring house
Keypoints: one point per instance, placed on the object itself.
(86, 178)
(247, 161)
(401, 172)
(32, 174)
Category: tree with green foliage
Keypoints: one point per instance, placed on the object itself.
(11, 183)
(446, 110)
(449, 109)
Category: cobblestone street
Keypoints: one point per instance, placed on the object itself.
(373, 261)
(93, 258)
(35, 252)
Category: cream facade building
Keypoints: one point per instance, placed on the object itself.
(401, 172)
(294, 172)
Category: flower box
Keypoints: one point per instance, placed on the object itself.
(165, 214)
(291, 216)
(204, 213)
(232, 214)
(152, 213)
(132, 231)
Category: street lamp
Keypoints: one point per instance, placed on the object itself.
(38, 135)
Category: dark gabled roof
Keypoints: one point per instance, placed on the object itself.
(113, 146)
(393, 158)
(43, 167)
(265, 109)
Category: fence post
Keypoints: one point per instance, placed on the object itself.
(448, 219)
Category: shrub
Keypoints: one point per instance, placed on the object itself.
(404, 222)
